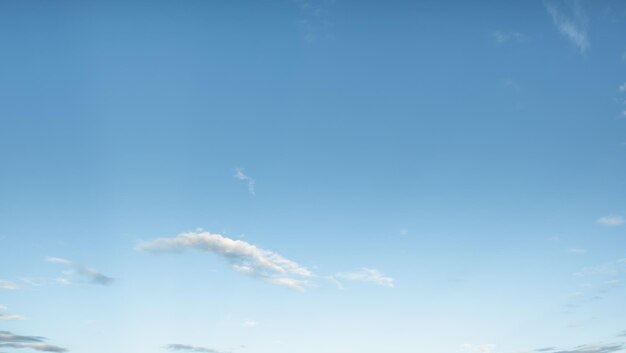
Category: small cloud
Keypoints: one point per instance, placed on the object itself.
(611, 220)
(572, 26)
(190, 348)
(57, 260)
(479, 348)
(404, 232)
(79, 271)
(622, 87)
(366, 275)
(250, 324)
(239, 175)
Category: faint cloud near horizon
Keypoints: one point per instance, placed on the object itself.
(571, 21)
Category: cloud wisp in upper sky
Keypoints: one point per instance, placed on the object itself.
(239, 175)
(254, 261)
(244, 257)
(80, 272)
(8, 317)
(572, 26)
(366, 275)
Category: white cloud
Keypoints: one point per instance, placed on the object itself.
(8, 285)
(57, 260)
(404, 231)
(367, 275)
(245, 257)
(611, 220)
(573, 27)
(622, 87)
(2, 307)
(239, 175)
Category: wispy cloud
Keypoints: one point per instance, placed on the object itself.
(79, 271)
(239, 175)
(611, 220)
(249, 324)
(502, 37)
(10, 340)
(598, 348)
(8, 285)
(572, 25)
(244, 257)
(367, 275)
(189, 348)
(8, 317)
(578, 251)
(314, 19)
(253, 261)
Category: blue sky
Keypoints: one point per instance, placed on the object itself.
(313, 176)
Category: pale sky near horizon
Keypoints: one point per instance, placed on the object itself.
(304, 176)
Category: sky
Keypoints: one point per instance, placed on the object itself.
(304, 176)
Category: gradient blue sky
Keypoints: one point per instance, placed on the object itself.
(351, 176)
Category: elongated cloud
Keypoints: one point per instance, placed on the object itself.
(86, 273)
(190, 348)
(10, 340)
(574, 26)
(367, 275)
(239, 175)
(256, 262)
(244, 257)
(611, 220)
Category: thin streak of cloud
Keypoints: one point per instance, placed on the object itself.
(239, 175)
(86, 273)
(11, 340)
(611, 220)
(574, 26)
(367, 275)
(244, 257)
(190, 348)
(10, 317)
